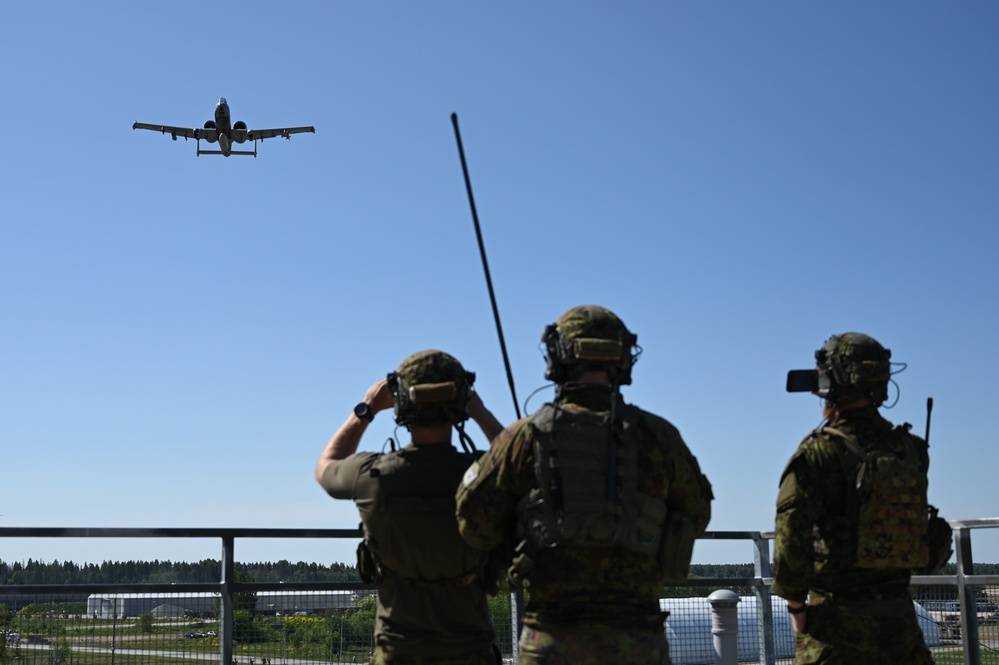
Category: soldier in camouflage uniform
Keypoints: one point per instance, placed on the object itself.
(591, 554)
(843, 613)
(432, 606)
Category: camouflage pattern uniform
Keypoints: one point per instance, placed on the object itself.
(854, 615)
(594, 605)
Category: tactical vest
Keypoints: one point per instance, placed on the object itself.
(887, 500)
(586, 473)
(412, 508)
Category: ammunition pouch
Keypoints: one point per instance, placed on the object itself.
(676, 547)
(941, 543)
(367, 568)
(495, 576)
(518, 575)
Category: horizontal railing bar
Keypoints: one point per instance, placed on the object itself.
(981, 580)
(933, 579)
(211, 532)
(195, 587)
(172, 532)
(980, 523)
(179, 588)
(721, 581)
(729, 535)
(302, 586)
(88, 589)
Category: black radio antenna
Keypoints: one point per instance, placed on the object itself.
(929, 411)
(485, 263)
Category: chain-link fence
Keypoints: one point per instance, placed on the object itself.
(326, 627)
(316, 622)
(337, 627)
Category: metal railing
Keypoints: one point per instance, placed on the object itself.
(964, 625)
(345, 602)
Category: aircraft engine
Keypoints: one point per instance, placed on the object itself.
(210, 124)
(239, 137)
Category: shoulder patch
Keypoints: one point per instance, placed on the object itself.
(471, 474)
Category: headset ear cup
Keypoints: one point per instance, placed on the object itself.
(555, 370)
(627, 358)
(400, 400)
(464, 392)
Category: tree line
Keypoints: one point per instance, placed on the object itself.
(209, 571)
(206, 571)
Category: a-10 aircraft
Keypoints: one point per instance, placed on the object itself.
(225, 132)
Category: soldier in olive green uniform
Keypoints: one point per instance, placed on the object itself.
(849, 607)
(431, 597)
(600, 501)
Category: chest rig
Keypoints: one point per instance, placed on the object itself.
(417, 506)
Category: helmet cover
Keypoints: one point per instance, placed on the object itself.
(589, 336)
(429, 388)
(857, 366)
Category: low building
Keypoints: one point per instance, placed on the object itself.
(109, 605)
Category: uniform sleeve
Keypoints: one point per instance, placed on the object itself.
(694, 499)
(797, 515)
(491, 488)
(686, 489)
(340, 480)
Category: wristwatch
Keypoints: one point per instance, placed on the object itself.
(364, 412)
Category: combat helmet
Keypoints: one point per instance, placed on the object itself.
(853, 366)
(430, 388)
(589, 337)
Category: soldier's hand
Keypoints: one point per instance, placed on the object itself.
(475, 406)
(478, 412)
(799, 621)
(379, 397)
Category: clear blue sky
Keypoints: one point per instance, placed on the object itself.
(738, 181)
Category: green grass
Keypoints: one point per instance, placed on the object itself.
(988, 634)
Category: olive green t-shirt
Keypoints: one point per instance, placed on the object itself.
(431, 599)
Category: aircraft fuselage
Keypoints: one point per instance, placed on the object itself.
(223, 121)
(223, 125)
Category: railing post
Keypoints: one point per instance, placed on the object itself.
(764, 606)
(226, 604)
(967, 596)
(725, 626)
(516, 621)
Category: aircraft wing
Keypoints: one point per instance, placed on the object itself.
(174, 132)
(261, 134)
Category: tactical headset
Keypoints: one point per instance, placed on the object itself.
(424, 403)
(854, 361)
(563, 352)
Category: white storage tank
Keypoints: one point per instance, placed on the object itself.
(688, 629)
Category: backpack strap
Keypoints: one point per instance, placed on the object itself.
(850, 442)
